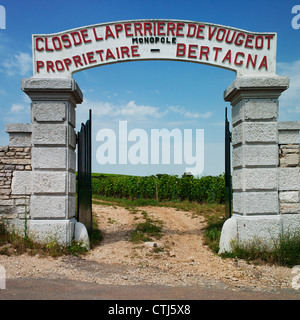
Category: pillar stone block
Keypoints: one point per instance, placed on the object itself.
(256, 176)
(53, 154)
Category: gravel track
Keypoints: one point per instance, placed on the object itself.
(179, 257)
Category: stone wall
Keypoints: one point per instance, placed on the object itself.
(12, 161)
(289, 163)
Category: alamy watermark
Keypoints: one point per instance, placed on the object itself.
(2, 278)
(2, 17)
(296, 18)
(136, 147)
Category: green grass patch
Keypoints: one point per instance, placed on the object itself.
(15, 243)
(12, 243)
(212, 235)
(285, 251)
(146, 230)
(95, 235)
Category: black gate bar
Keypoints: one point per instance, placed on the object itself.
(84, 168)
(228, 186)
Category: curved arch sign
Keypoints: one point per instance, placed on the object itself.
(67, 52)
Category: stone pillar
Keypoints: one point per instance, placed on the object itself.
(254, 159)
(52, 182)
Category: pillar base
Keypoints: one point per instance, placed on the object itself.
(45, 231)
(263, 230)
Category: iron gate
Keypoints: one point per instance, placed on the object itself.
(84, 177)
(228, 187)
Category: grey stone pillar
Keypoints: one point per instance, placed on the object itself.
(53, 180)
(254, 159)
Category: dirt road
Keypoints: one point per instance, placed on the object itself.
(179, 259)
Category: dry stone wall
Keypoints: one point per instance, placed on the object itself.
(289, 163)
(13, 160)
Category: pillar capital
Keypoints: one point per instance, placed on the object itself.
(255, 87)
(52, 89)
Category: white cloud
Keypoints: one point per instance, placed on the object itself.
(108, 111)
(188, 114)
(16, 108)
(131, 109)
(18, 64)
(197, 115)
(290, 98)
(139, 112)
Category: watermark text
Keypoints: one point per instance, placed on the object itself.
(2, 17)
(137, 147)
(2, 278)
(296, 18)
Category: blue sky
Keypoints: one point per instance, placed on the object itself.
(154, 94)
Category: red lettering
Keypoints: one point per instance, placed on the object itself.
(36, 44)
(147, 27)
(118, 54)
(171, 27)
(217, 49)
(227, 36)
(137, 28)
(179, 28)
(218, 38)
(77, 61)
(50, 65)
(227, 57)
(250, 60)
(96, 36)
(160, 26)
(61, 68)
(108, 33)
(59, 47)
(249, 39)
(118, 28)
(200, 30)
(191, 51)
(180, 51)
(100, 54)
(154, 28)
(67, 62)
(134, 52)
(257, 46)
(204, 50)
(269, 37)
(237, 41)
(109, 55)
(128, 30)
(73, 34)
(236, 57)
(263, 63)
(84, 34)
(65, 38)
(84, 59)
(90, 56)
(189, 29)
(39, 64)
(125, 50)
(211, 34)
(46, 45)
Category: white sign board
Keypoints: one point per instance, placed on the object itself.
(63, 53)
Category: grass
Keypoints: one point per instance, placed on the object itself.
(147, 230)
(286, 251)
(13, 243)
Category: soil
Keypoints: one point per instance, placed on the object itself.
(178, 258)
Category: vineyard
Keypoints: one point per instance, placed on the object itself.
(207, 189)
